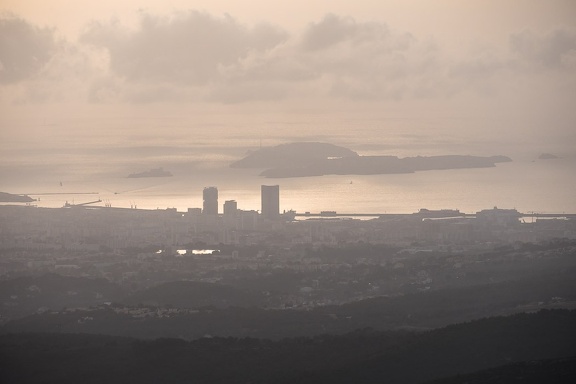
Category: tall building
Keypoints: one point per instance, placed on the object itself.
(270, 201)
(230, 208)
(210, 196)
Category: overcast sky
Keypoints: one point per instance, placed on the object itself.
(515, 59)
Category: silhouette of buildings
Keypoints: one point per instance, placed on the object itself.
(230, 208)
(270, 201)
(210, 197)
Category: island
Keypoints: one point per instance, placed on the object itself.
(155, 172)
(12, 198)
(318, 159)
(300, 153)
(547, 156)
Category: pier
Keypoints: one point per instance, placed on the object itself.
(426, 216)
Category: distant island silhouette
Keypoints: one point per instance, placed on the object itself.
(547, 156)
(155, 172)
(292, 154)
(317, 159)
(12, 198)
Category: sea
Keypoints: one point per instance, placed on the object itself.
(79, 160)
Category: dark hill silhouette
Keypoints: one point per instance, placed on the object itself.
(557, 371)
(423, 310)
(12, 198)
(359, 357)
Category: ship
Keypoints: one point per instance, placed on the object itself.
(155, 172)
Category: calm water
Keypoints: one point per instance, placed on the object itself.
(87, 157)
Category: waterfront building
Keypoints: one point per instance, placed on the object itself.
(270, 196)
(210, 197)
(230, 208)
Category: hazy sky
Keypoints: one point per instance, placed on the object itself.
(509, 60)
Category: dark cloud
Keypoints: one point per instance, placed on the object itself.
(367, 60)
(555, 49)
(188, 47)
(24, 49)
(331, 30)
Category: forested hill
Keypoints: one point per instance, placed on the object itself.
(358, 357)
(167, 313)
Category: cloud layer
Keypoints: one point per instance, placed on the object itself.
(24, 49)
(195, 56)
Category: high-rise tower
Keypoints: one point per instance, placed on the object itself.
(270, 201)
(210, 206)
(230, 208)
